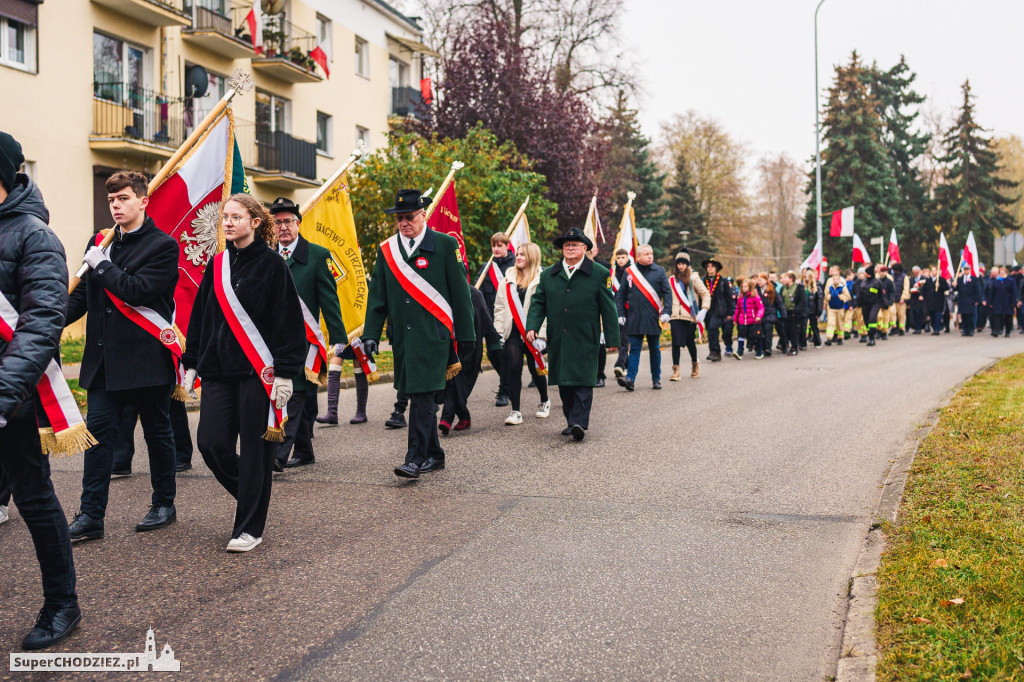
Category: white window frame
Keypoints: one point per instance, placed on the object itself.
(325, 35)
(29, 169)
(363, 134)
(31, 64)
(275, 125)
(362, 57)
(329, 133)
(147, 61)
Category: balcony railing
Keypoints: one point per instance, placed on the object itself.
(121, 111)
(275, 151)
(407, 101)
(151, 12)
(220, 29)
(286, 49)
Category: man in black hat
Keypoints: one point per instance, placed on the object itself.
(722, 306)
(419, 282)
(573, 296)
(318, 293)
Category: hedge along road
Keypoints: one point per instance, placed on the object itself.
(705, 531)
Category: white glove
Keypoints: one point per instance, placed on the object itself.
(665, 318)
(280, 392)
(94, 256)
(701, 315)
(540, 345)
(622, 322)
(190, 384)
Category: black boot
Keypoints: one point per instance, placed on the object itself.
(330, 418)
(396, 421)
(362, 389)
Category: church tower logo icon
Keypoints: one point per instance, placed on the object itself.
(165, 662)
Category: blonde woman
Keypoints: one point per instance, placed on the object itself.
(509, 320)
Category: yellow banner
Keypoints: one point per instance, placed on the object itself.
(330, 224)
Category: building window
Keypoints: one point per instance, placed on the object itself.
(119, 69)
(17, 44)
(196, 108)
(324, 133)
(272, 114)
(398, 73)
(363, 135)
(324, 35)
(29, 169)
(362, 57)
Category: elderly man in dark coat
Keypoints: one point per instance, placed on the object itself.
(969, 296)
(573, 296)
(419, 281)
(644, 303)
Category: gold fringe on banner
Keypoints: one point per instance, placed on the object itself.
(70, 441)
(275, 434)
(453, 370)
(316, 377)
(180, 394)
(542, 372)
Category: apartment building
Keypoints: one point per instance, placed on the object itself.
(92, 86)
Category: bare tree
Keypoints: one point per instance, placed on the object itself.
(781, 203)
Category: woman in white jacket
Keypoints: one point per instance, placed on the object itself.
(509, 320)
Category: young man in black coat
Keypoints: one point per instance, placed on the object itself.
(502, 259)
(123, 363)
(723, 304)
(641, 317)
(935, 289)
(33, 279)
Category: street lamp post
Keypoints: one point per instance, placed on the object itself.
(817, 125)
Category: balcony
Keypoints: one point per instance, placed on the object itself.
(151, 12)
(406, 101)
(275, 159)
(285, 56)
(136, 122)
(227, 36)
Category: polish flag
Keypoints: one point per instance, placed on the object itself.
(842, 223)
(627, 232)
(860, 254)
(894, 248)
(813, 260)
(971, 256)
(945, 258)
(319, 55)
(520, 233)
(254, 20)
(592, 227)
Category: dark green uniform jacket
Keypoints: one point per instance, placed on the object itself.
(576, 310)
(318, 290)
(420, 342)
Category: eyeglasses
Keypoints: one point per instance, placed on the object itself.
(234, 219)
(406, 217)
(286, 222)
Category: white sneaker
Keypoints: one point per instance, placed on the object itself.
(4, 514)
(620, 372)
(544, 410)
(244, 543)
(514, 418)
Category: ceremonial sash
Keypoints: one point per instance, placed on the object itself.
(316, 358)
(495, 275)
(615, 279)
(519, 317)
(249, 338)
(684, 300)
(637, 279)
(65, 431)
(421, 290)
(366, 362)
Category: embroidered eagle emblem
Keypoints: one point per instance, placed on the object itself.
(201, 245)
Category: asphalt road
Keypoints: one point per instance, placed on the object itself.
(706, 531)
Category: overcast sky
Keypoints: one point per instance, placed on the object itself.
(750, 63)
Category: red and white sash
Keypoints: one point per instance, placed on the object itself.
(417, 287)
(249, 338)
(65, 431)
(495, 274)
(637, 279)
(684, 300)
(316, 358)
(615, 279)
(519, 317)
(366, 362)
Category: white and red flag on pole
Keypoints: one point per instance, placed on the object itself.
(971, 256)
(945, 258)
(814, 259)
(626, 239)
(592, 227)
(842, 223)
(894, 248)
(520, 233)
(860, 253)
(254, 21)
(319, 55)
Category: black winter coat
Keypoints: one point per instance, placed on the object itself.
(969, 294)
(723, 302)
(641, 317)
(935, 299)
(917, 299)
(487, 287)
(815, 301)
(33, 279)
(142, 271)
(263, 284)
(484, 323)
(773, 310)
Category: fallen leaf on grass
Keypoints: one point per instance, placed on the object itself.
(923, 621)
(967, 674)
(940, 563)
(984, 486)
(952, 602)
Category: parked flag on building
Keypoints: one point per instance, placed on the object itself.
(971, 256)
(894, 248)
(427, 91)
(842, 223)
(814, 259)
(860, 253)
(945, 258)
(319, 55)
(254, 20)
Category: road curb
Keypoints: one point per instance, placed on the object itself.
(858, 659)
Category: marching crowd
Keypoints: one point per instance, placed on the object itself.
(254, 341)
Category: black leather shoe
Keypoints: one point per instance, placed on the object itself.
(158, 517)
(501, 400)
(626, 383)
(408, 470)
(431, 464)
(577, 432)
(599, 384)
(656, 385)
(52, 626)
(278, 466)
(84, 527)
(292, 463)
(567, 431)
(396, 421)
(182, 466)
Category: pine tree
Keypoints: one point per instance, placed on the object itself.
(970, 198)
(683, 215)
(855, 167)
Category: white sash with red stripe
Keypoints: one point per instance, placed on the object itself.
(684, 300)
(417, 287)
(366, 362)
(66, 432)
(249, 338)
(519, 317)
(495, 275)
(316, 358)
(637, 279)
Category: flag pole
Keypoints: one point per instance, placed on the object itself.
(456, 165)
(508, 232)
(356, 154)
(239, 84)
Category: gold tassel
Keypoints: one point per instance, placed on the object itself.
(180, 394)
(453, 370)
(68, 442)
(274, 435)
(48, 440)
(372, 377)
(312, 377)
(542, 372)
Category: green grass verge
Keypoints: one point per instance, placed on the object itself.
(385, 363)
(960, 536)
(71, 350)
(78, 392)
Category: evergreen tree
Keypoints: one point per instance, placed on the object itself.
(970, 198)
(855, 167)
(683, 214)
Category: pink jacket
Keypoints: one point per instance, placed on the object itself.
(749, 309)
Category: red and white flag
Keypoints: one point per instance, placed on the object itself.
(894, 248)
(319, 55)
(860, 253)
(592, 227)
(842, 223)
(945, 258)
(254, 20)
(445, 218)
(971, 256)
(520, 234)
(814, 259)
(627, 231)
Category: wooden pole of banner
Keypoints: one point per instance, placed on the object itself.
(508, 232)
(239, 84)
(456, 165)
(356, 154)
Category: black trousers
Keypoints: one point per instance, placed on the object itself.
(916, 316)
(1002, 323)
(124, 446)
(457, 391)
(234, 414)
(104, 417)
(683, 333)
(423, 441)
(815, 332)
(576, 404)
(298, 430)
(513, 355)
(27, 471)
(623, 359)
(401, 402)
(766, 336)
(791, 341)
(716, 323)
(494, 356)
(967, 320)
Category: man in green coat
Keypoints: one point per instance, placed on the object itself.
(419, 282)
(319, 294)
(574, 297)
